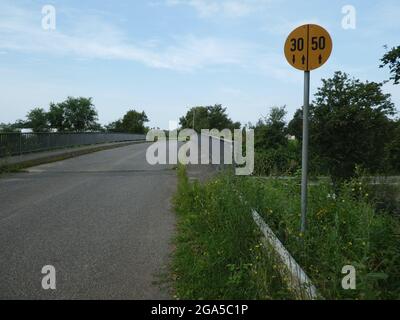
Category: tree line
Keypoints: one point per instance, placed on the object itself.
(80, 115)
(208, 117)
(76, 115)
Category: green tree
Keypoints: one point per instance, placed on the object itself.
(271, 132)
(275, 154)
(37, 120)
(8, 127)
(96, 127)
(392, 59)
(13, 127)
(80, 113)
(295, 126)
(197, 116)
(209, 117)
(134, 122)
(218, 118)
(350, 124)
(56, 117)
(73, 114)
(115, 126)
(392, 149)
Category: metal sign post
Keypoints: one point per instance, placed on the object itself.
(304, 156)
(307, 48)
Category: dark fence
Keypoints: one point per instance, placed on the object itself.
(19, 143)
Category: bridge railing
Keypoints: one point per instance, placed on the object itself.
(20, 143)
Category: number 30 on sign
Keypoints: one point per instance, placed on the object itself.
(308, 47)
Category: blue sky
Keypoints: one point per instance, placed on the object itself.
(163, 56)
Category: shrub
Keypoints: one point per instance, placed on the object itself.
(282, 160)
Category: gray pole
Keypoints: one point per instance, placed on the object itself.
(304, 169)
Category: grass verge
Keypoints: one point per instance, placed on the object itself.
(219, 255)
(218, 252)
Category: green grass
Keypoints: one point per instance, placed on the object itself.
(342, 230)
(218, 252)
(219, 256)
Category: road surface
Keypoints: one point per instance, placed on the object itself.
(103, 220)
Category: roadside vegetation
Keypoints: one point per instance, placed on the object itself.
(219, 254)
(343, 229)
(353, 215)
(352, 124)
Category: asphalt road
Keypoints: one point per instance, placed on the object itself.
(103, 220)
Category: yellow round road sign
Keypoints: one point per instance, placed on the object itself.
(308, 47)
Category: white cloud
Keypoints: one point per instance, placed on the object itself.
(89, 37)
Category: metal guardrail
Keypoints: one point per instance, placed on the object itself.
(20, 143)
(291, 271)
(296, 277)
